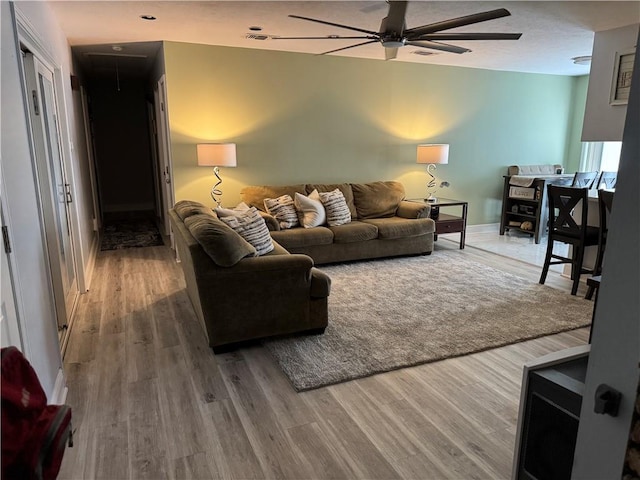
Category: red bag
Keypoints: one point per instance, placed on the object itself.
(34, 434)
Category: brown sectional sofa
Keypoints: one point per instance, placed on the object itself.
(383, 223)
(238, 297)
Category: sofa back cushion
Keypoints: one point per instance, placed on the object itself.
(254, 195)
(345, 188)
(221, 243)
(377, 199)
(187, 208)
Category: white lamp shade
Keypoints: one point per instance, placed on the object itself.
(433, 153)
(217, 154)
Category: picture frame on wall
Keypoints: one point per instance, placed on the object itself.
(622, 73)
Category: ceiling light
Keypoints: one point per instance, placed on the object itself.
(583, 60)
(147, 17)
(256, 36)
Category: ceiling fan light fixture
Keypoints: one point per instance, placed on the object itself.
(582, 60)
(424, 53)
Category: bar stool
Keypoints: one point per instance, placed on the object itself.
(563, 228)
(605, 202)
(584, 179)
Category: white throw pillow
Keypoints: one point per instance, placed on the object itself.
(311, 213)
(338, 212)
(250, 226)
(283, 210)
(225, 212)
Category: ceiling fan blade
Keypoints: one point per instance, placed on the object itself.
(394, 21)
(469, 36)
(416, 32)
(445, 47)
(355, 29)
(326, 37)
(390, 53)
(350, 46)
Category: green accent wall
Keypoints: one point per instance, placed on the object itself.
(298, 118)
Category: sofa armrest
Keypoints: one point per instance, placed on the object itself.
(272, 223)
(320, 284)
(408, 209)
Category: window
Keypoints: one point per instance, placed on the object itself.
(600, 156)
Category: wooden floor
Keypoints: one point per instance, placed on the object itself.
(150, 400)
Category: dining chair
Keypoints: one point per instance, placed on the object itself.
(584, 179)
(605, 202)
(562, 202)
(608, 179)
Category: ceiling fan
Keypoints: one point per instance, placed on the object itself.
(393, 33)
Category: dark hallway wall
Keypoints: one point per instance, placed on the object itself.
(123, 153)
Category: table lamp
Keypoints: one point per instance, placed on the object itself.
(432, 154)
(216, 155)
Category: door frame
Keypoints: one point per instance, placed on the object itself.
(165, 164)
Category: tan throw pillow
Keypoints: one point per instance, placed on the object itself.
(250, 226)
(336, 207)
(221, 243)
(377, 199)
(311, 213)
(283, 210)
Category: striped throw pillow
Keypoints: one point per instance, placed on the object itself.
(250, 226)
(283, 210)
(336, 207)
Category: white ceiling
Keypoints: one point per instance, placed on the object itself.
(553, 32)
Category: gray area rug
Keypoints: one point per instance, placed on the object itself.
(394, 313)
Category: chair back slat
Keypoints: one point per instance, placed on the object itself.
(607, 180)
(562, 203)
(584, 179)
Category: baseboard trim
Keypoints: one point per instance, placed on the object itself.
(60, 390)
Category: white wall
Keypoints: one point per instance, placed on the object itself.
(604, 122)
(615, 346)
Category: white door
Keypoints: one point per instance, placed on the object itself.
(55, 190)
(10, 325)
(164, 152)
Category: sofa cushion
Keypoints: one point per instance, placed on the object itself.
(354, 232)
(311, 212)
(283, 210)
(396, 227)
(187, 208)
(254, 195)
(377, 199)
(345, 188)
(336, 207)
(221, 243)
(303, 237)
(252, 227)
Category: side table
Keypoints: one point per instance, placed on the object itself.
(446, 223)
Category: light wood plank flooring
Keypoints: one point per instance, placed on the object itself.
(150, 400)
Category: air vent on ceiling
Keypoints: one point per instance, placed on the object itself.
(424, 53)
(256, 36)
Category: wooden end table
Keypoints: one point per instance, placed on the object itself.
(446, 223)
